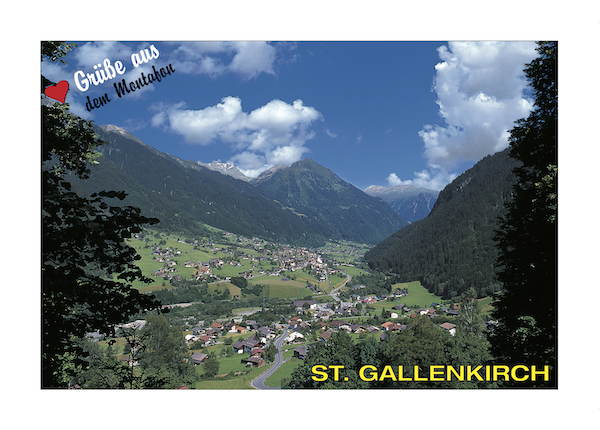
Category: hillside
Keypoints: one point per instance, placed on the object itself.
(452, 249)
(410, 202)
(329, 205)
(302, 205)
(185, 198)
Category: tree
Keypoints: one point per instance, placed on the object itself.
(420, 344)
(469, 319)
(270, 352)
(164, 360)
(102, 370)
(338, 351)
(211, 367)
(468, 348)
(526, 309)
(83, 243)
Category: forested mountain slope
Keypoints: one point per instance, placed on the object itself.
(452, 249)
(329, 205)
(302, 205)
(184, 199)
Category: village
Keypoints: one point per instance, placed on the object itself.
(313, 322)
(315, 318)
(267, 259)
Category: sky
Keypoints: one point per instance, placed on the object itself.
(376, 113)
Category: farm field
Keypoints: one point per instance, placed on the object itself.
(275, 286)
(485, 305)
(352, 271)
(186, 252)
(220, 287)
(417, 295)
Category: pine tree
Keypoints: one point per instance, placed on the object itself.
(526, 310)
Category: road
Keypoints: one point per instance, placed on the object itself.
(335, 297)
(259, 382)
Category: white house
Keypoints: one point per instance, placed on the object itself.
(450, 327)
(293, 336)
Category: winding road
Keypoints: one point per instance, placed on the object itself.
(335, 297)
(259, 382)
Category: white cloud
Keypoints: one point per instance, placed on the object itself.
(252, 58)
(271, 134)
(92, 53)
(480, 89)
(435, 178)
(246, 59)
(394, 180)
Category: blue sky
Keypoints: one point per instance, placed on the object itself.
(376, 113)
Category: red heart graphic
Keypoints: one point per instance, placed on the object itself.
(58, 91)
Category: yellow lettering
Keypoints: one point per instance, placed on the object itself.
(513, 373)
(451, 370)
(471, 372)
(387, 373)
(324, 375)
(436, 373)
(417, 374)
(371, 377)
(336, 371)
(500, 370)
(401, 374)
(545, 372)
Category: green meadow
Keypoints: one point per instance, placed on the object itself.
(417, 296)
(276, 287)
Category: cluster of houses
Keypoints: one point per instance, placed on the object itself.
(254, 346)
(209, 336)
(338, 325)
(281, 258)
(326, 311)
(301, 351)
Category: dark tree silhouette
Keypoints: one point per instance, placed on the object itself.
(526, 311)
(87, 268)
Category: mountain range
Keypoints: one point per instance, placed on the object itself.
(410, 202)
(304, 204)
(450, 250)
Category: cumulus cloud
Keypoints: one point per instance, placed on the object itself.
(434, 178)
(246, 59)
(91, 53)
(271, 134)
(480, 88)
(394, 180)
